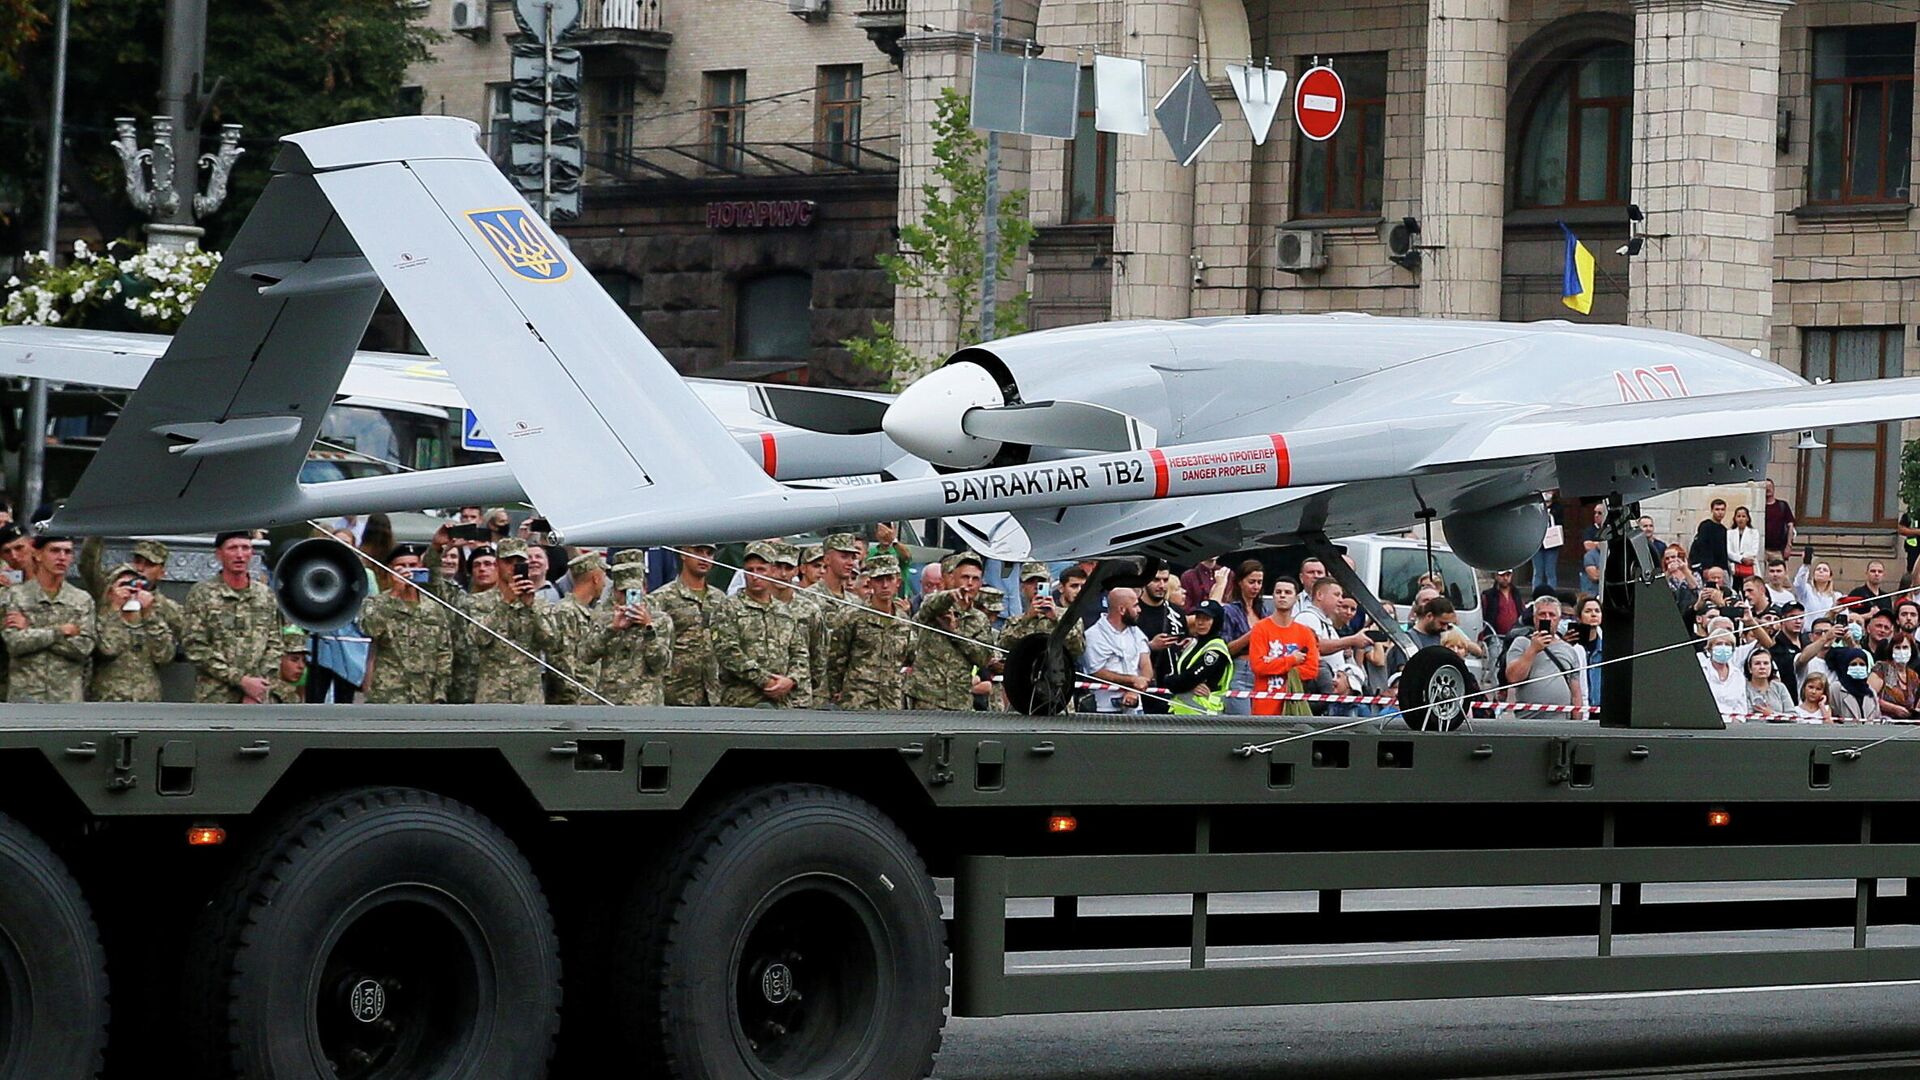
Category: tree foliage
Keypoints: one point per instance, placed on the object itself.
(280, 67)
(943, 255)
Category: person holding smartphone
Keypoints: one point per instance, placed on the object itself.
(1543, 667)
(510, 666)
(630, 641)
(410, 659)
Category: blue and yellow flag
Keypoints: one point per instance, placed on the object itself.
(1576, 284)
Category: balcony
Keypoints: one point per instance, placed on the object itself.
(625, 37)
(707, 161)
(885, 22)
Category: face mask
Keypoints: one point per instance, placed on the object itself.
(1901, 656)
(1857, 672)
(1855, 631)
(1722, 653)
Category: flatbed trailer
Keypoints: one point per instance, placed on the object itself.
(479, 891)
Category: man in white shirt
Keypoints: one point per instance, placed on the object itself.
(1117, 655)
(1340, 674)
(1312, 572)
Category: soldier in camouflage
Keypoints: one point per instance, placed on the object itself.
(290, 676)
(1043, 611)
(233, 627)
(16, 549)
(134, 641)
(483, 575)
(149, 562)
(759, 646)
(630, 641)
(412, 637)
(813, 566)
(687, 602)
(573, 619)
(511, 675)
(953, 649)
(808, 606)
(844, 552)
(49, 629)
(869, 649)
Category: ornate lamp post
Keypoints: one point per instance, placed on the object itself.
(150, 174)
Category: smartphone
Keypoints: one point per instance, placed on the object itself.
(519, 567)
(635, 596)
(540, 525)
(139, 583)
(469, 532)
(1044, 591)
(1378, 635)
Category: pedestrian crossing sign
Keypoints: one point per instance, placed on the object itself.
(473, 437)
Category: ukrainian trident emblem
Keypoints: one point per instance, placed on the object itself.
(520, 242)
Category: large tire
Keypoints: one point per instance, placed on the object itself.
(1433, 690)
(1034, 684)
(53, 971)
(795, 934)
(377, 934)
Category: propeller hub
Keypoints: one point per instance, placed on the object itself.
(926, 419)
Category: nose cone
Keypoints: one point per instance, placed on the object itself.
(925, 419)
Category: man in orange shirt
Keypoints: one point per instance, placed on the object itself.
(1278, 647)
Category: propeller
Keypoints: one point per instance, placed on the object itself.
(1072, 425)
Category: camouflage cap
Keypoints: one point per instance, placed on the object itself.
(992, 599)
(631, 557)
(1035, 571)
(812, 553)
(586, 563)
(293, 640)
(124, 569)
(764, 550)
(628, 575)
(953, 561)
(511, 548)
(151, 550)
(786, 555)
(882, 566)
(842, 542)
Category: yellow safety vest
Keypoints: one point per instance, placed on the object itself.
(1203, 700)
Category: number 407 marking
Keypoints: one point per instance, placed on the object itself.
(1650, 384)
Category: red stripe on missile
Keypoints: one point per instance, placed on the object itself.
(1282, 463)
(770, 458)
(1159, 474)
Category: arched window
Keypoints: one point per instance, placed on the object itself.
(1576, 145)
(773, 317)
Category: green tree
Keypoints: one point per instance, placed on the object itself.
(280, 66)
(943, 255)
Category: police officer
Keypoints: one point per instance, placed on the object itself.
(522, 632)
(630, 641)
(233, 627)
(1203, 668)
(868, 649)
(759, 646)
(412, 637)
(134, 641)
(49, 629)
(690, 605)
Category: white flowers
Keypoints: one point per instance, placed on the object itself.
(158, 287)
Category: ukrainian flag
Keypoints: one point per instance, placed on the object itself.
(1576, 280)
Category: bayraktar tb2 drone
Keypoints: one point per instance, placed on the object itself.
(1169, 439)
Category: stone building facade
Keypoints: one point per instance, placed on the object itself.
(741, 172)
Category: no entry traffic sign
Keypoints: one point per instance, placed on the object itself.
(1319, 103)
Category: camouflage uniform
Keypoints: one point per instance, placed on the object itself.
(632, 661)
(692, 679)
(754, 640)
(93, 571)
(128, 655)
(231, 633)
(944, 665)
(1033, 622)
(47, 665)
(412, 650)
(280, 691)
(573, 622)
(466, 671)
(867, 651)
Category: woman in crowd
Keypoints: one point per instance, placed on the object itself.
(1585, 633)
(1855, 697)
(1899, 683)
(1723, 664)
(1247, 586)
(1686, 589)
(1813, 584)
(1765, 696)
(1743, 544)
(1813, 707)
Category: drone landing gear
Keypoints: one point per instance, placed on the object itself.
(1434, 684)
(1038, 673)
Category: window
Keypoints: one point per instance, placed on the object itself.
(1341, 176)
(612, 104)
(1090, 160)
(836, 125)
(410, 101)
(499, 120)
(726, 115)
(1855, 480)
(1862, 114)
(773, 318)
(1575, 147)
(623, 289)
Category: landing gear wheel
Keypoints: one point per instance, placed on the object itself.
(797, 937)
(379, 934)
(53, 971)
(1433, 690)
(1031, 684)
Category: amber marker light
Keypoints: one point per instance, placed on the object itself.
(205, 835)
(1717, 817)
(1062, 823)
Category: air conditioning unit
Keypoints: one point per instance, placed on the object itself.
(1403, 243)
(1301, 251)
(469, 17)
(809, 10)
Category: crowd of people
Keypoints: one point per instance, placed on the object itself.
(488, 612)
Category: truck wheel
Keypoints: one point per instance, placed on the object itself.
(53, 971)
(382, 933)
(795, 935)
(1433, 690)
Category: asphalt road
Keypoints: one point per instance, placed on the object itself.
(1836, 1031)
